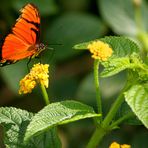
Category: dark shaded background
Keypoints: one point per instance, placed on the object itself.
(68, 22)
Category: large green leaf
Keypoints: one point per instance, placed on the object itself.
(15, 122)
(120, 15)
(121, 46)
(71, 28)
(56, 114)
(137, 99)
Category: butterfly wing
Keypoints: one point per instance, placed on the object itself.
(21, 42)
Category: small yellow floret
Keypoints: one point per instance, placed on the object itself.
(100, 50)
(125, 146)
(116, 145)
(38, 74)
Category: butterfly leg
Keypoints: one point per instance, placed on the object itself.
(28, 64)
(39, 57)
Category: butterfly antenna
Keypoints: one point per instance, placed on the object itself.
(50, 48)
(55, 44)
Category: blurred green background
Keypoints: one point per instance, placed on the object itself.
(68, 22)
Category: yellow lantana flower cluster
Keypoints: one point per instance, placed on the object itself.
(116, 145)
(100, 50)
(38, 74)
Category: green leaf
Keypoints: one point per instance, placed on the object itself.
(143, 73)
(52, 139)
(121, 46)
(139, 73)
(70, 29)
(57, 114)
(82, 46)
(137, 99)
(15, 122)
(115, 66)
(139, 70)
(45, 7)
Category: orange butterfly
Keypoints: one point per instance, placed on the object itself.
(23, 41)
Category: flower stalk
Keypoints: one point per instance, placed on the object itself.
(105, 127)
(96, 80)
(44, 94)
(96, 137)
(100, 52)
(142, 35)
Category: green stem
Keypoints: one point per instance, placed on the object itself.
(114, 108)
(101, 131)
(113, 111)
(143, 37)
(44, 93)
(141, 34)
(138, 18)
(120, 120)
(96, 79)
(96, 137)
(55, 142)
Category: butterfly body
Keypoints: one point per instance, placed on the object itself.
(23, 41)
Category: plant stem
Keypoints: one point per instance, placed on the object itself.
(44, 93)
(101, 131)
(96, 137)
(142, 35)
(114, 108)
(120, 120)
(96, 80)
(53, 132)
(138, 18)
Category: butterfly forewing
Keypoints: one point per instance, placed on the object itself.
(21, 42)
